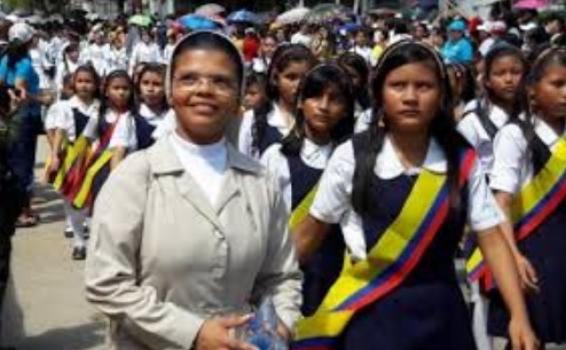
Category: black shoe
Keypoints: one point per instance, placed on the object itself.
(79, 253)
(68, 234)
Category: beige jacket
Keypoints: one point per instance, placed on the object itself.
(162, 259)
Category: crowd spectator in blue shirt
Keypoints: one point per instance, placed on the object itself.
(18, 75)
(458, 48)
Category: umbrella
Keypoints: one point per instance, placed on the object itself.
(293, 16)
(324, 13)
(196, 22)
(350, 27)
(530, 4)
(209, 10)
(140, 20)
(242, 16)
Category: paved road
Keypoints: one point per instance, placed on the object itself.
(47, 285)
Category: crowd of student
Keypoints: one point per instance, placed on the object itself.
(376, 159)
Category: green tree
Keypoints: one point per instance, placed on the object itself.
(46, 6)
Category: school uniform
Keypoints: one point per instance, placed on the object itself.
(117, 59)
(167, 53)
(63, 69)
(142, 52)
(97, 55)
(73, 117)
(277, 127)
(363, 121)
(297, 176)
(426, 310)
(479, 131)
(539, 226)
(107, 133)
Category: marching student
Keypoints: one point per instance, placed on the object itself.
(117, 111)
(324, 118)
(146, 51)
(402, 193)
(68, 65)
(255, 95)
(358, 69)
(71, 119)
(529, 180)
(152, 110)
(505, 68)
(274, 119)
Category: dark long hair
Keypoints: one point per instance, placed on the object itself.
(282, 58)
(484, 102)
(88, 68)
(524, 117)
(104, 105)
(156, 68)
(442, 127)
(351, 60)
(313, 85)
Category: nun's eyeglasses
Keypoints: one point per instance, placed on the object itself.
(192, 82)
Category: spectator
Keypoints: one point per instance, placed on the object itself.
(458, 48)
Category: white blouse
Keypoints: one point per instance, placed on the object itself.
(143, 52)
(205, 163)
(124, 134)
(332, 203)
(473, 131)
(276, 118)
(313, 155)
(60, 115)
(512, 168)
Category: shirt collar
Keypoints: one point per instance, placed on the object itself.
(276, 118)
(147, 113)
(546, 133)
(312, 151)
(75, 102)
(388, 165)
(498, 116)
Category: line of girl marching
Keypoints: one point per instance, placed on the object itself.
(379, 190)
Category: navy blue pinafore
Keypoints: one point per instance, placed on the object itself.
(325, 265)
(546, 250)
(427, 311)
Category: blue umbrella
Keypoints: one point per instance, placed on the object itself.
(196, 22)
(243, 16)
(350, 27)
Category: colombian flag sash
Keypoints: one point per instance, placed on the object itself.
(531, 207)
(73, 158)
(302, 210)
(389, 262)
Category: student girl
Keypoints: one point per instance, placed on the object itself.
(72, 117)
(70, 62)
(356, 66)
(273, 120)
(402, 193)
(152, 105)
(505, 68)
(255, 95)
(528, 177)
(324, 114)
(109, 147)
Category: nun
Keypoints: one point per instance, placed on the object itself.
(189, 235)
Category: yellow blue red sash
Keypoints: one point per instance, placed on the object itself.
(531, 207)
(302, 210)
(73, 158)
(389, 262)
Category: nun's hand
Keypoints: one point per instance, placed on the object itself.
(215, 334)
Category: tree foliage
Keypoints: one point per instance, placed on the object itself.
(45, 6)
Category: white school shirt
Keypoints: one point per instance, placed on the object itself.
(117, 59)
(333, 205)
(155, 119)
(64, 68)
(473, 131)
(167, 53)
(512, 168)
(275, 118)
(143, 52)
(124, 132)
(66, 120)
(166, 126)
(206, 164)
(313, 155)
(98, 56)
(364, 51)
(363, 121)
